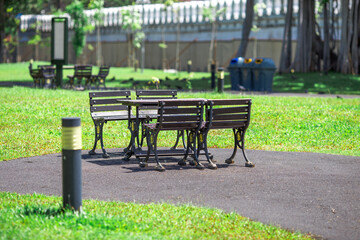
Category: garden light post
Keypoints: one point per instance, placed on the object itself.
(59, 46)
(71, 163)
(220, 80)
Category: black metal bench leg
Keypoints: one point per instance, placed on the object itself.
(130, 150)
(98, 136)
(180, 134)
(242, 147)
(203, 146)
(97, 132)
(191, 145)
(105, 154)
(182, 162)
(236, 141)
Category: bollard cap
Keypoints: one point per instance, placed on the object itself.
(71, 122)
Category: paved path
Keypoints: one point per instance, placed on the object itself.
(309, 192)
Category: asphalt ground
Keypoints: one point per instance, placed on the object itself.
(306, 192)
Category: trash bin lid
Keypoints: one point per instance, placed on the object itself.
(265, 63)
(236, 61)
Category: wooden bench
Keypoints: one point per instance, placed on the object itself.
(151, 111)
(47, 73)
(99, 79)
(43, 75)
(104, 107)
(80, 72)
(36, 75)
(180, 115)
(227, 114)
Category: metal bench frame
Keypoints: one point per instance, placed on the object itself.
(181, 115)
(225, 114)
(80, 72)
(100, 78)
(104, 107)
(156, 94)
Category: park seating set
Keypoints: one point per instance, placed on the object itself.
(44, 76)
(160, 110)
(83, 77)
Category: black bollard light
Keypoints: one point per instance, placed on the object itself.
(213, 69)
(71, 163)
(220, 80)
(189, 63)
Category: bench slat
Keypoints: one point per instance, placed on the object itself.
(155, 93)
(180, 118)
(230, 110)
(109, 94)
(228, 124)
(231, 101)
(108, 108)
(100, 101)
(183, 110)
(230, 117)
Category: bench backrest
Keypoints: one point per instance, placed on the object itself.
(35, 73)
(104, 71)
(47, 71)
(83, 70)
(180, 114)
(228, 113)
(105, 103)
(151, 111)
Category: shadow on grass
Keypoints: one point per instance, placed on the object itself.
(332, 83)
(42, 211)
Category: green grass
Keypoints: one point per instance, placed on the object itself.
(41, 217)
(333, 83)
(30, 123)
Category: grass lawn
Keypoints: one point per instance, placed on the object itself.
(30, 125)
(333, 83)
(40, 217)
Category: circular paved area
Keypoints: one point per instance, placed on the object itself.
(309, 192)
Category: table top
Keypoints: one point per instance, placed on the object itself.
(152, 102)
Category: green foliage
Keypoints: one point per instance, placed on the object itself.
(98, 6)
(40, 217)
(212, 12)
(81, 26)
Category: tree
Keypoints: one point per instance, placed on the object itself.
(212, 13)
(163, 45)
(247, 25)
(285, 60)
(348, 60)
(132, 25)
(81, 26)
(98, 16)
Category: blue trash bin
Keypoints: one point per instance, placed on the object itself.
(263, 74)
(247, 74)
(235, 73)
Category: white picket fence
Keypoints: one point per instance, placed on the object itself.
(157, 14)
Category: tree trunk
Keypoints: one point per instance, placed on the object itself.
(2, 29)
(285, 61)
(247, 25)
(304, 57)
(326, 54)
(355, 42)
(98, 47)
(343, 59)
